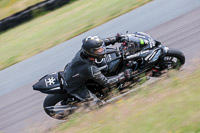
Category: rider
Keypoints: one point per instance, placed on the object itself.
(83, 67)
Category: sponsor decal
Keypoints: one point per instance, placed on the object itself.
(141, 41)
(157, 55)
(50, 81)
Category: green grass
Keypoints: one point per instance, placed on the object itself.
(168, 106)
(58, 26)
(9, 7)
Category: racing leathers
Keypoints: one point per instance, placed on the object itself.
(81, 69)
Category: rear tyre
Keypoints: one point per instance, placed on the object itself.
(59, 106)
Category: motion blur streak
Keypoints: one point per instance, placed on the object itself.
(21, 107)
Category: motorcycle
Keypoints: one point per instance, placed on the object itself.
(155, 59)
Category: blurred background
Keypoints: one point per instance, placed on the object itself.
(38, 37)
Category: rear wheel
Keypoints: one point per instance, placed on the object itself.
(59, 106)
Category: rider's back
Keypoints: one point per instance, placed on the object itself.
(76, 72)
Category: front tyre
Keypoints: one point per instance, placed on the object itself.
(59, 106)
(173, 59)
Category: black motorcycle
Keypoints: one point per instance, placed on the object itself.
(154, 58)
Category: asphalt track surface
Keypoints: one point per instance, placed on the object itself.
(176, 23)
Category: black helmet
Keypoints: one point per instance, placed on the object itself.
(93, 47)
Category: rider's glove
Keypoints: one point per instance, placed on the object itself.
(128, 74)
(119, 37)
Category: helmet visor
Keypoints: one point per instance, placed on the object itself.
(99, 51)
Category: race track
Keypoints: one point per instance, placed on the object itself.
(176, 23)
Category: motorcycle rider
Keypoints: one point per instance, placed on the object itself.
(83, 67)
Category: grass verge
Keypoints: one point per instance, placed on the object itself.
(168, 106)
(58, 26)
(9, 7)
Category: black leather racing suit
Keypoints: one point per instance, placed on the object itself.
(80, 70)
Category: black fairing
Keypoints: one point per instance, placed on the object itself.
(111, 63)
(50, 84)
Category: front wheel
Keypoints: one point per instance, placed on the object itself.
(59, 106)
(174, 59)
